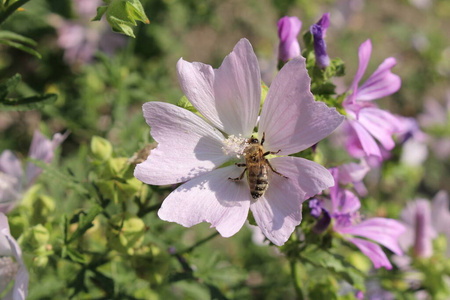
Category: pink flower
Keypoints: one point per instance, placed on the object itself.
(288, 29)
(365, 121)
(11, 174)
(343, 208)
(10, 269)
(193, 149)
(424, 222)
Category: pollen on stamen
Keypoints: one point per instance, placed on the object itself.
(234, 146)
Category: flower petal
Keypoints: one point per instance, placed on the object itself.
(381, 83)
(278, 211)
(228, 97)
(10, 164)
(42, 148)
(372, 251)
(364, 53)
(187, 145)
(347, 202)
(288, 29)
(368, 144)
(211, 198)
(381, 230)
(291, 120)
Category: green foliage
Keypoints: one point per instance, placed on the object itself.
(122, 15)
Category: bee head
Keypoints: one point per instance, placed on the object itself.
(253, 140)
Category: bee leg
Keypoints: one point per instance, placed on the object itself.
(238, 178)
(271, 152)
(263, 138)
(240, 165)
(273, 170)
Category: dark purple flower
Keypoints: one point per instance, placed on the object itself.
(318, 31)
(288, 29)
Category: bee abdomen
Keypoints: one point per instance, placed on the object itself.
(258, 184)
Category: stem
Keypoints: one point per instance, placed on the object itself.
(10, 9)
(296, 281)
(199, 243)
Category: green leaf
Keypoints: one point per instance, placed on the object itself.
(9, 35)
(9, 85)
(28, 103)
(85, 222)
(74, 255)
(335, 264)
(59, 176)
(20, 47)
(100, 12)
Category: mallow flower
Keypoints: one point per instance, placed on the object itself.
(424, 221)
(365, 122)
(201, 152)
(288, 30)
(12, 181)
(342, 209)
(318, 32)
(12, 266)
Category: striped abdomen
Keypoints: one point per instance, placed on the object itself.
(258, 181)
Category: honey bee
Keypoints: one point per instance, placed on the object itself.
(257, 166)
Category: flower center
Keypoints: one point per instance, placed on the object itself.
(234, 146)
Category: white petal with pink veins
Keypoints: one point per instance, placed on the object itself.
(291, 120)
(187, 145)
(211, 198)
(228, 97)
(278, 211)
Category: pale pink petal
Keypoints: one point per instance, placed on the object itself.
(347, 202)
(364, 53)
(352, 172)
(187, 145)
(291, 120)
(377, 129)
(372, 251)
(383, 231)
(43, 149)
(368, 143)
(381, 83)
(440, 211)
(211, 198)
(228, 97)
(278, 211)
(10, 164)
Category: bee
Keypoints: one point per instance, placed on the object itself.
(257, 166)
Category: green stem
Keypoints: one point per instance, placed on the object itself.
(296, 281)
(10, 9)
(199, 243)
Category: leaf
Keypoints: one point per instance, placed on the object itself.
(9, 35)
(59, 176)
(335, 264)
(9, 85)
(20, 47)
(28, 103)
(85, 222)
(74, 255)
(100, 12)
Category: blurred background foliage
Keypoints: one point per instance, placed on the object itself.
(103, 97)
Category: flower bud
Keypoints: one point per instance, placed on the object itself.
(288, 29)
(101, 148)
(126, 232)
(318, 31)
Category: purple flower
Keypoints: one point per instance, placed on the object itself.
(353, 173)
(11, 269)
(423, 223)
(81, 38)
(318, 31)
(344, 208)
(288, 29)
(365, 121)
(11, 174)
(194, 150)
